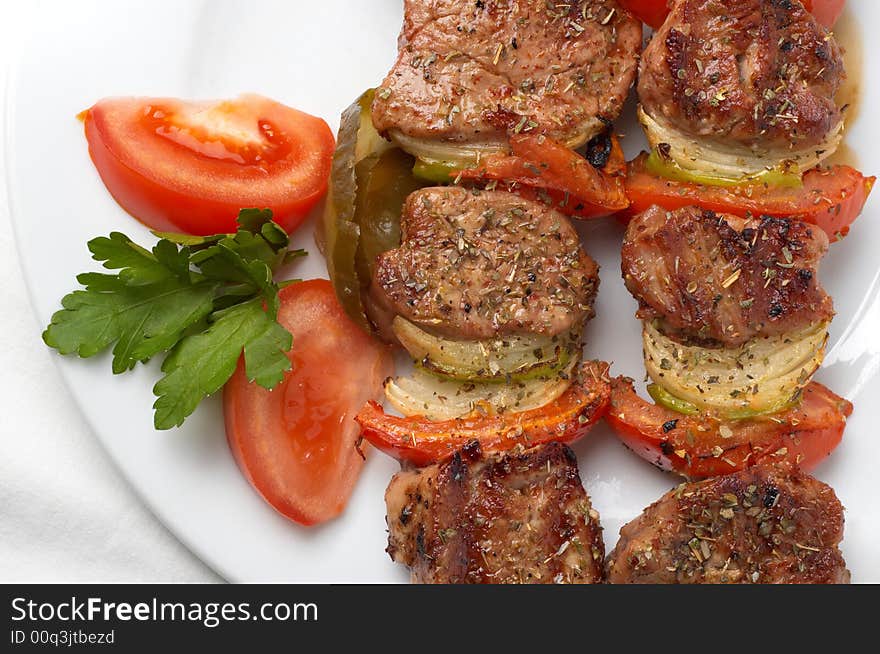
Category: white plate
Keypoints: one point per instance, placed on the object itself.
(318, 56)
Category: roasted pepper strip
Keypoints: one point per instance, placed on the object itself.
(383, 185)
(439, 172)
(831, 198)
(421, 441)
(700, 446)
(369, 182)
(539, 168)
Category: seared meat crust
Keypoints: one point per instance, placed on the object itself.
(716, 279)
(519, 517)
(762, 525)
(480, 264)
(470, 72)
(758, 73)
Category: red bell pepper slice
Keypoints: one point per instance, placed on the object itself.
(542, 169)
(421, 441)
(705, 446)
(831, 198)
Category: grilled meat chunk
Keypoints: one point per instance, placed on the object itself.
(468, 73)
(759, 75)
(476, 265)
(762, 525)
(715, 279)
(518, 517)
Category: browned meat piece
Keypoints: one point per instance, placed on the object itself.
(763, 525)
(520, 517)
(717, 279)
(758, 74)
(476, 265)
(470, 72)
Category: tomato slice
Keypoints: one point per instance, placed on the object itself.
(541, 169)
(704, 446)
(421, 441)
(831, 198)
(190, 166)
(297, 443)
(654, 12)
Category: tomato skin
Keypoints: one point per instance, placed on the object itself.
(421, 441)
(693, 446)
(541, 169)
(650, 12)
(831, 198)
(190, 166)
(654, 12)
(297, 444)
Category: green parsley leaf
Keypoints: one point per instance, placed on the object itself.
(202, 299)
(144, 309)
(139, 266)
(200, 365)
(257, 238)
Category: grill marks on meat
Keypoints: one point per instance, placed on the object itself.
(760, 73)
(520, 517)
(476, 265)
(470, 72)
(717, 279)
(762, 525)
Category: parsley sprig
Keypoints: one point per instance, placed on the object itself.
(201, 300)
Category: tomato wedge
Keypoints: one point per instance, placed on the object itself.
(190, 166)
(831, 198)
(539, 168)
(297, 443)
(704, 446)
(654, 12)
(421, 441)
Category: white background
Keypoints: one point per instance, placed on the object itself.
(66, 515)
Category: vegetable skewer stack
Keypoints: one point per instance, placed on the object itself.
(739, 108)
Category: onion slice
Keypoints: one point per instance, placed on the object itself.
(469, 154)
(426, 395)
(715, 158)
(464, 155)
(765, 375)
(503, 359)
